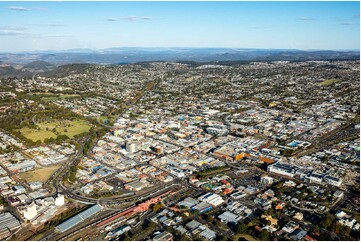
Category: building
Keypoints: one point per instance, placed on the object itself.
(75, 220)
(290, 227)
(338, 194)
(298, 234)
(282, 169)
(266, 180)
(228, 217)
(18, 189)
(59, 200)
(208, 234)
(118, 231)
(30, 212)
(8, 224)
(269, 159)
(213, 199)
(188, 202)
(164, 236)
(136, 185)
(202, 207)
(35, 185)
(217, 130)
(335, 181)
(315, 177)
(131, 147)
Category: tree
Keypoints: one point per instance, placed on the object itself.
(326, 222)
(340, 229)
(209, 219)
(241, 228)
(184, 237)
(264, 235)
(157, 206)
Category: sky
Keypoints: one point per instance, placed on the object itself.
(29, 26)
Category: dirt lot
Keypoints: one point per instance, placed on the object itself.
(42, 174)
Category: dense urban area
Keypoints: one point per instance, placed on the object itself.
(182, 151)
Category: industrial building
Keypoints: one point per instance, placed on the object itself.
(75, 220)
(213, 199)
(165, 236)
(30, 212)
(8, 223)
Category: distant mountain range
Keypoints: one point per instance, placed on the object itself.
(133, 55)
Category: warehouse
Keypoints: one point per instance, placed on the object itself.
(8, 223)
(75, 220)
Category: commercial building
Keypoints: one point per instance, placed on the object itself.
(202, 207)
(211, 198)
(228, 217)
(282, 169)
(335, 181)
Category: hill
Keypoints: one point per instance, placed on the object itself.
(39, 66)
(133, 55)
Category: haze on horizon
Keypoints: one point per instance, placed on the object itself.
(29, 26)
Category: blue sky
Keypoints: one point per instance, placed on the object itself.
(27, 26)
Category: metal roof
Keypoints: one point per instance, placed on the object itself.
(73, 221)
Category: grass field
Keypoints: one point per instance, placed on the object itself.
(329, 82)
(68, 128)
(36, 135)
(42, 174)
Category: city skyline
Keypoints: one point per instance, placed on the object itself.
(30, 26)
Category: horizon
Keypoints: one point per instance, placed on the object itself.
(175, 47)
(61, 26)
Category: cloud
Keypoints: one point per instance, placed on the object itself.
(356, 15)
(57, 36)
(22, 9)
(14, 8)
(130, 18)
(12, 28)
(306, 19)
(49, 25)
(347, 23)
(10, 33)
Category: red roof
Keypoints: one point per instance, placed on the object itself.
(309, 238)
(224, 181)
